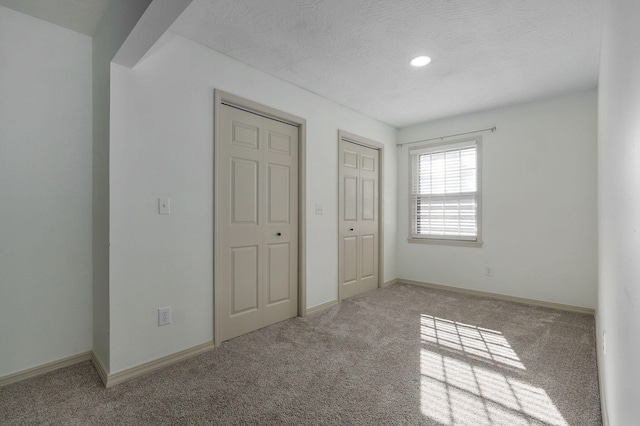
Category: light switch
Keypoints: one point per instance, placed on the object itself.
(319, 208)
(164, 206)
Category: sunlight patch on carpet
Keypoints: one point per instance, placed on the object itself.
(475, 341)
(457, 392)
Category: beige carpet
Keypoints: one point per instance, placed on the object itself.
(402, 355)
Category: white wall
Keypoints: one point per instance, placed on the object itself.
(45, 192)
(619, 211)
(539, 204)
(162, 145)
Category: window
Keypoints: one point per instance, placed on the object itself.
(445, 193)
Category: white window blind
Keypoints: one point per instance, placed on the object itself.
(445, 191)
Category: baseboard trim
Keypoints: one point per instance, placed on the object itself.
(388, 283)
(148, 367)
(321, 307)
(599, 355)
(45, 368)
(102, 372)
(533, 302)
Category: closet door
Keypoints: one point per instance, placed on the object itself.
(258, 198)
(359, 218)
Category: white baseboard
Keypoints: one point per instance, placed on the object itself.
(534, 302)
(600, 361)
(139, 370)
(388, 283)
(107, 379)
(102, 372)
(321, 307)
(45, 368)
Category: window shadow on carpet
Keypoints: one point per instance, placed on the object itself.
(470, 375)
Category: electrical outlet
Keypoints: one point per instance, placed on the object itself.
(488, 270)
(164, 316)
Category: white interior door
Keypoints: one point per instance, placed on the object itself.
(359, 218)
(258, 261)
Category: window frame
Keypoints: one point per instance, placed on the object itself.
(448, 241)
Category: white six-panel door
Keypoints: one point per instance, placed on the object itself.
(258, 214)
(359, 218)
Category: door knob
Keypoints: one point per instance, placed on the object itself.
(279, 234)
(350, 229)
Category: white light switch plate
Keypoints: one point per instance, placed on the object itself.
(164, 206)
(319, 208)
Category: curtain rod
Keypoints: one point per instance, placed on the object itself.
(493, 129)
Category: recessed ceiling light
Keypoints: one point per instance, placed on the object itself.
(420, 61)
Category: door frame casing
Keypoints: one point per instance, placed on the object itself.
(221, 97)
(359, 140)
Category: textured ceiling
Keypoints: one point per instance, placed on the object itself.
(78, 15)
(485, 53)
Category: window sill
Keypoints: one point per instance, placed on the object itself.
(435, 241)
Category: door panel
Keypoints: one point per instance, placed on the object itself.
(257, 273)
(350, 198)
(244, 190)
(368, 199)
(366, 260)
(244, 279)
(244, 134)
(279, 195)
(280, 228)
(279, 143)
(350, 271)
(278, 279)
(350, 159)
(358, 252)
(368, 162)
